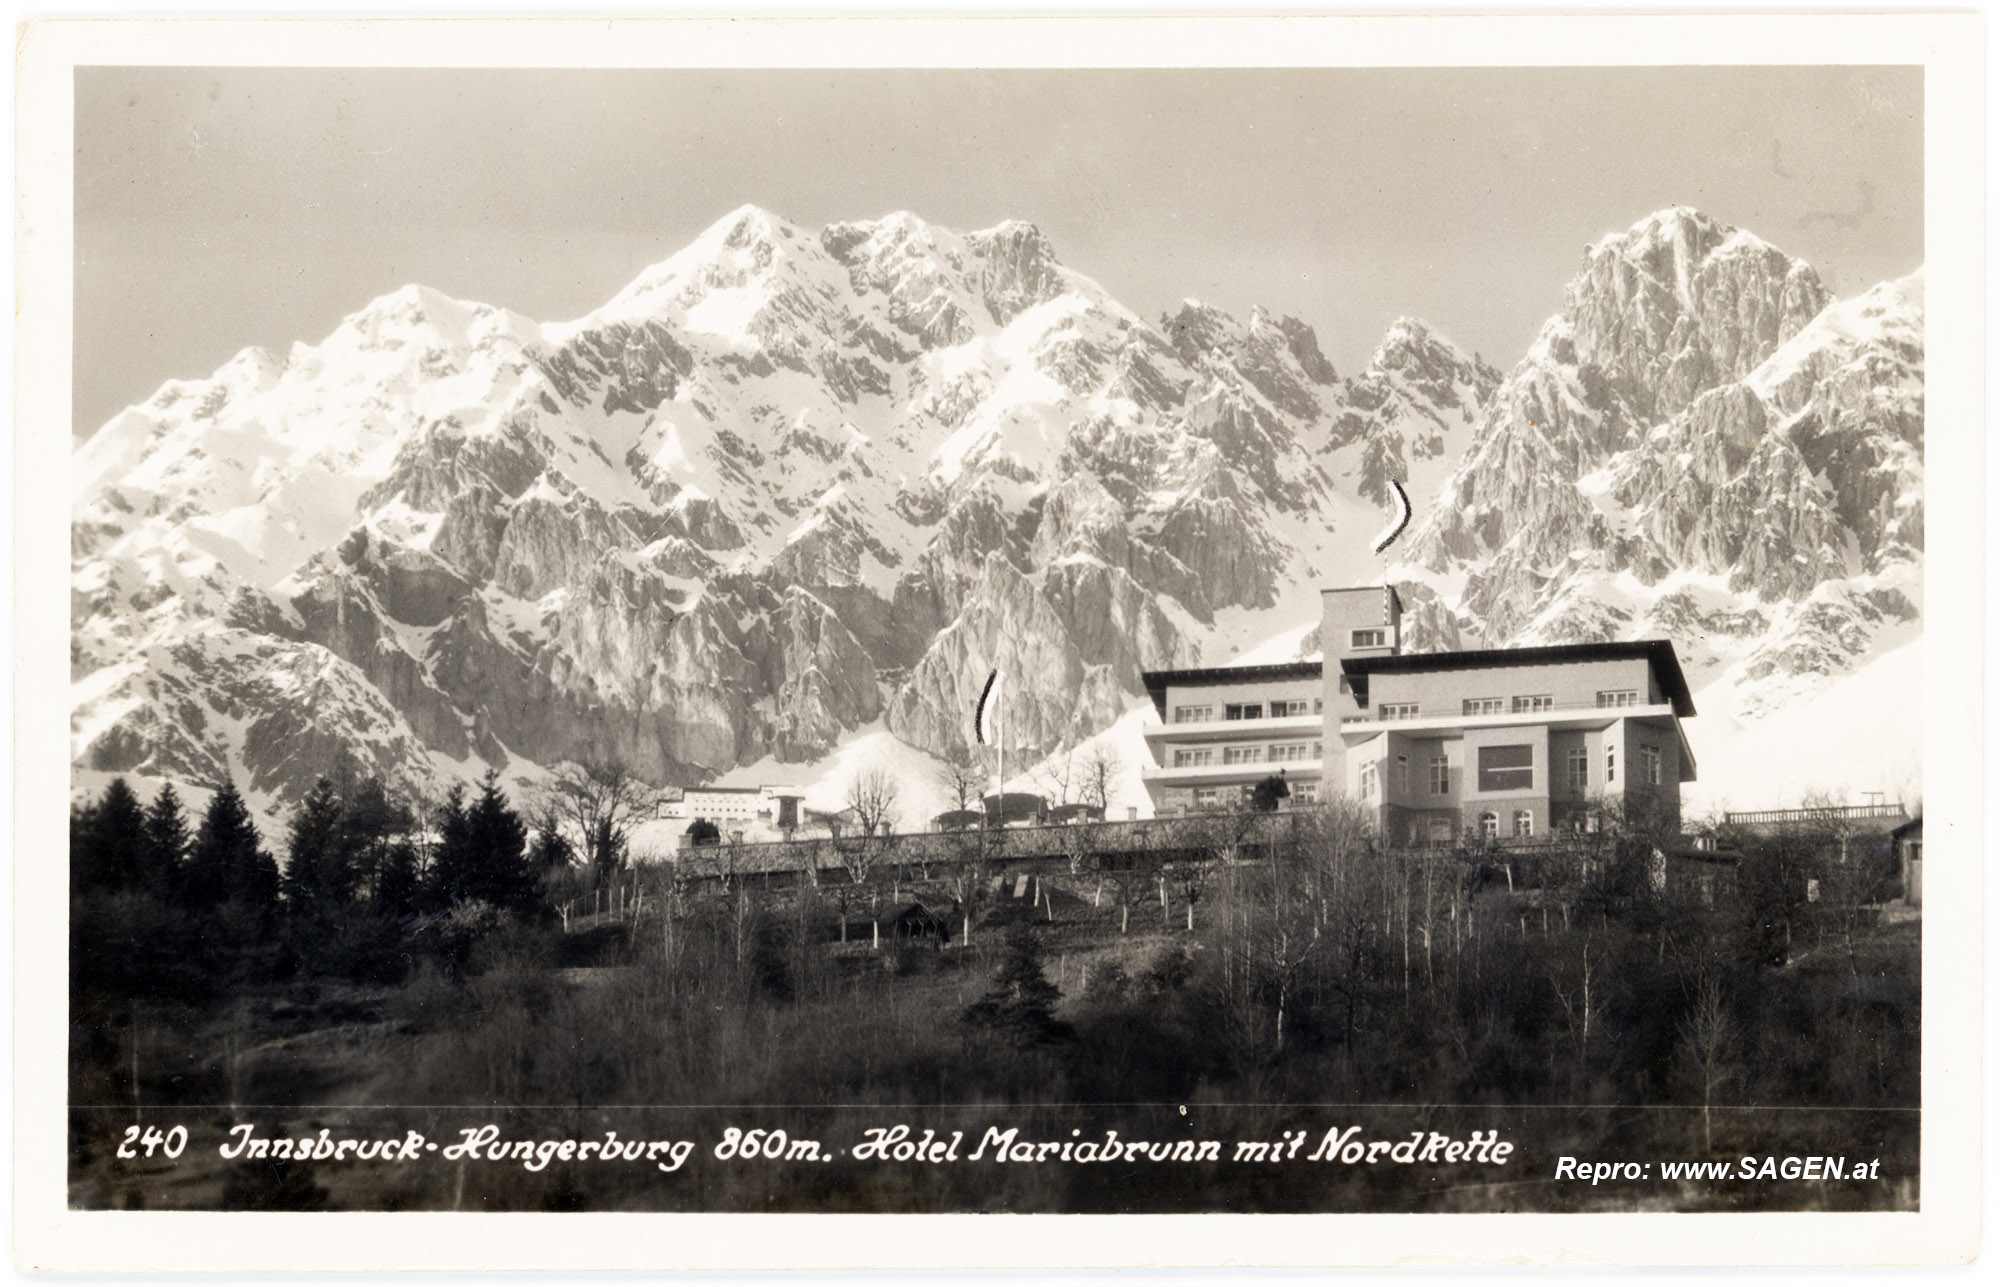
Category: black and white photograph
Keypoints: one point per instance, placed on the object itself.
(1120, 640)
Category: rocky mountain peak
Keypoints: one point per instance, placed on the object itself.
(1705, 445)
(1680, 302)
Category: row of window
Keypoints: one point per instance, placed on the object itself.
(1442, 828)
(1512, 768)
(1527, 705)
(1216, 797)
(1489, 824)
(1274, 753)
(1285, 709)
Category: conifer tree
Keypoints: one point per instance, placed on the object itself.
(372, 823)
(1021, 1003)
(397, 882)
(316, 872)
(167, 839)
(228, 862)
(482, 851)
(82, 849)
(451, 863)
(501, 873)
(108, 849)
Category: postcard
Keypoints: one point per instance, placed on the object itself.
(679, 627)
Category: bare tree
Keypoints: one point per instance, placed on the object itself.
(967, 854)
(1055, 776)
(961, 778)
(600, 799)
(1098, 774)
(872, 797)
(1579, 988)
(1329, 917)
(871, 800)
(673, 884)
(1708, 1038)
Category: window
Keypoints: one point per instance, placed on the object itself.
(1242, 754)
(1440, 775)
(1193, 759)
(1489, 826)
(1368, 780)
(1524, 822)
(1578, 763)
(1319, 705)
(1442, 825)
(1506, 768)
(1316, 752)
(1527, 704)
(1399, 710)
(1649, 764)
(1402, 773)
(1305, 793)
(1285, 710)
(1235, 710)
(1193, 714)
(1610, 762)
(1208, 796)
(1368, 639)
(1621, 697)
(1284, 751)
(1485, 706)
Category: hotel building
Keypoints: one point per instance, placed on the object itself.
(1496, 743)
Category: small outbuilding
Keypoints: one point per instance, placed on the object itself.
(1908, 843)
(1694, 872)
(921, 925)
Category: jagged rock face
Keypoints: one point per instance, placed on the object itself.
(784, 485)
(1409, 414)
(790, 484)
(1701, 445)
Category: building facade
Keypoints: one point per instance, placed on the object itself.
(754, 813)
(1494, 743)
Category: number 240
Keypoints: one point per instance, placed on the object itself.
(170, 1143)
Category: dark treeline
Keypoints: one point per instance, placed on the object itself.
(170, 915)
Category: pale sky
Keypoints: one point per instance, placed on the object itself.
(217, 208)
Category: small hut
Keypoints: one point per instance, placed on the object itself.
(1908, 840)
(918, 924)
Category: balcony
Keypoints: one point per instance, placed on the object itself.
(1233, 730)
(1192, 775)
(1566, 714)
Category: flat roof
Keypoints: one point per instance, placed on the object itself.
(1156, 681)
(1659, 653)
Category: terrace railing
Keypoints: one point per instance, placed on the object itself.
(1829, 813)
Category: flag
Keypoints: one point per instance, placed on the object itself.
(1398, 523)
(986, 714)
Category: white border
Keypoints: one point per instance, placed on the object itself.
(50, 1236)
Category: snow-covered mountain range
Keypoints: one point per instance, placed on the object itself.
(791, 488)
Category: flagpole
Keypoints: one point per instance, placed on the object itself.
(1000, 743)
